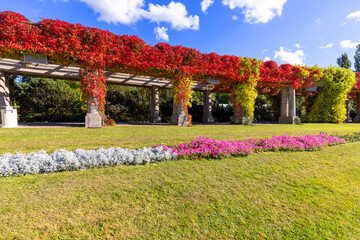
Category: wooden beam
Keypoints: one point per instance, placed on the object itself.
(18, 67)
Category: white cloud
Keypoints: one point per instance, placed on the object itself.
(296, 57)
(161, 33)
(175, 14)
(354, 15)
(131, 11)
(349, 44)
(234, 17)
(257, 11)
(117, 11)
(318, 20)
(205, 4)
(297, 45)
(326, 46)
(267, 59)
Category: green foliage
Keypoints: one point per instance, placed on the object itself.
(357, 59)
(245, 93)
(343, 61)
(222, 108)
(329, 106)
(52, 99)
(263, 109)
(128, 104)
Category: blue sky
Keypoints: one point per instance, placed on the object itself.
(296, 31)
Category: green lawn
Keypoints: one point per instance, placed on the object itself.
(50, 139)
(280, 195)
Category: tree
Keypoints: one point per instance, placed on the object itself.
(343, 61)
(50, 98)
(357, 59)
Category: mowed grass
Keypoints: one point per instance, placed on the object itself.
(275, 195)
(50, 139)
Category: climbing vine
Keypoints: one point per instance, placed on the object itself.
(329, 106)
(243, 94)
(96, 50)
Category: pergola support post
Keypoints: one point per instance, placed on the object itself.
(179, 116)
(8, 116)
(238, 117)
(207, 111)
(288, 106)
(348, 118)
(93, 117)
(155, 105)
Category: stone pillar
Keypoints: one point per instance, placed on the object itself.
(288, 106)
(155, 105)
(4, 90)
(179, 116)
(284, 107)
(238, 116)
(207, 112)
(93, 117)
(8, 116)
(292, 105)
(348, 118)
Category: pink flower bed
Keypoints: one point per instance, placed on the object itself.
(204, 147)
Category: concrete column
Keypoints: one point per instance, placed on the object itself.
(155, 105)
(4, 90)
(207, 112)
(288, 106)
(356, 101)
(179, 116)
(284, 108)
(93, 117)
(348, 118)
(8, 116)
(292, 105)
(238, 116)
(292, 102)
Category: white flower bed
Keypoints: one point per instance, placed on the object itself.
(42, 162)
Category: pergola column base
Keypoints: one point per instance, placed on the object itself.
(9, 117)
(209, 119)
(93, 120)
(287, 120)
(240, 120)
(237, 120)
(155, 119)
(180, 120)
(179, 117)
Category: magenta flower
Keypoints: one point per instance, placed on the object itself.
(203, 147)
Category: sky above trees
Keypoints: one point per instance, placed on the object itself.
(287, 31)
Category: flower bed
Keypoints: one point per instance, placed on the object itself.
(202, 147)
(209, 148)
(41, 162)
